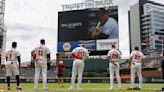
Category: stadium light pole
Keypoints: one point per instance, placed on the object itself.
(2, 30)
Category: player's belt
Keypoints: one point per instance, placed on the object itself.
(115, 60)
(9, 62)
(40, 60)
(135, 62)
(78, 59)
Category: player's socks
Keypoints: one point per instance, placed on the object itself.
(8, 82)
(18, 86)
(17, 78)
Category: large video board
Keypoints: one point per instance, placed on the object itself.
(79, 26)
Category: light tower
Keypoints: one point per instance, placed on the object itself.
(2, 32)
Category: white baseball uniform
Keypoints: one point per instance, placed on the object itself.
(114, 56)
(41, 65)
(78, 65)
(11, 62)
(136, 66)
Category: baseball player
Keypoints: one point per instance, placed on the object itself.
(79, 54)
(114, 56)
(41, 56)
(12, 56)
(136, 63)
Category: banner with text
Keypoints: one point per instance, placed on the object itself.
(106, 44)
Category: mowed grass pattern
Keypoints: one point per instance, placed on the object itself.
(86, 87)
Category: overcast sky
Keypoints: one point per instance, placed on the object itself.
(28, 21)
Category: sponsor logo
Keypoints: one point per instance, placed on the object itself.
(72, 25)
(66, 46)
(106, 44)
(87, 4)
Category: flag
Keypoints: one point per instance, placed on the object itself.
(154, 37)
(162, 41)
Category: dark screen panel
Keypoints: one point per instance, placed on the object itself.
(73, 26)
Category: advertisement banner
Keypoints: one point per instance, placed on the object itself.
(89, 44)
(106, 44)
(67, 46)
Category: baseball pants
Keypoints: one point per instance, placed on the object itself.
(40, 66)
(136, 67)
(78, 67)
(116, 70)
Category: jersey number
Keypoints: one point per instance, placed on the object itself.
(115, 56)
(9, 58)
(80, 53)
(137, 57)
(40, 53)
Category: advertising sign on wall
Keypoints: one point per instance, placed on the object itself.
(106, 44)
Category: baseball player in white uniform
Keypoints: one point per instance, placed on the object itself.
(41, 56)
(136, 63)
(114, 56)
(12, 68)
(79, 54)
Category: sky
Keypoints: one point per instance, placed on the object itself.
(28, 21)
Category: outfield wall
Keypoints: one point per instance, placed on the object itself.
(96, 70)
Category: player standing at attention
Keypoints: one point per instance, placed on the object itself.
(60, 67)
(136, 64)
(113, 57)
(41, 56)
(79, 54)
(12, 56)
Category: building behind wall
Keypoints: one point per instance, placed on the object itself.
(146, 27)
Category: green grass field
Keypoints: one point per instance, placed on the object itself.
(90, 87)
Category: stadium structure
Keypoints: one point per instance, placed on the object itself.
(146, 27)
(2, 32)
(96, 68)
